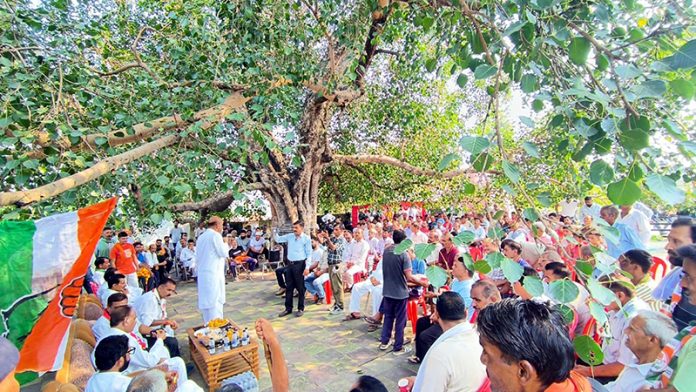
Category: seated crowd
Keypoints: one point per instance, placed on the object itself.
(478, 331)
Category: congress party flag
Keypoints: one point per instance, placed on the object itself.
(42, 267)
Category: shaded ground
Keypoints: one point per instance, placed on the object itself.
(322, 353)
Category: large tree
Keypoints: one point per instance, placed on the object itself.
(185, 104)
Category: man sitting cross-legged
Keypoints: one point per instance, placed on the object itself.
(111, 358)
(123, 322)
(102, 326)
(453, 362)
(151, 309)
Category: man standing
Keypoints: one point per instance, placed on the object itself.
(628, 239)
(336, 245)
(211, 253)
(175, 233)
(449, 252)
(124, 259)
(151, 309)
(299, 251)
(106, 242)
(637, 221)
(589, 209)
(397, 273)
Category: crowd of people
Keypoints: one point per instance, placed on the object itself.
(479, 331)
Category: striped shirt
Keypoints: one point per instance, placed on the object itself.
(644, 291)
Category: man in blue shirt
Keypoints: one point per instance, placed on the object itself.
(299, 251)
(628, 239)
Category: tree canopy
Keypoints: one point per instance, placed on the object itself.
(183, 105)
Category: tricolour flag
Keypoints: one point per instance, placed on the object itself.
(42, 267)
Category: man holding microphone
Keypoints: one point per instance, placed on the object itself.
(299, 251)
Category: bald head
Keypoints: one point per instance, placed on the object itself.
(215, 223)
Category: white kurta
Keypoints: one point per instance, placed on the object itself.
(211, 253)
(108, 381)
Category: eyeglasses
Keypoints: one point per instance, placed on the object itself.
(131, 350)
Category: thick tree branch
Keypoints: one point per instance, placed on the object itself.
(22, 198)
(216, 203)
(352, 160)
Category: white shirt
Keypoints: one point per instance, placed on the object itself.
(142, 359)
(615, 349)
(640, 223)
(631, 378)
(102, 326)
(356, 252)
(188, 257)
(150, 307)
(433, 257)
(479, 233)
(254, 243)
(108, 381)
(418, 237)
(453, 363)
(592, 211)
(211, 253)
(151, 259)
(317, 255)
(568, 208)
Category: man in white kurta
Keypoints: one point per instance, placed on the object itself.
(355, 256)
(373, 285)
(211, 253)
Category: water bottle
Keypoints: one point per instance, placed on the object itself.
(226, 344)
(211, 346)
(245, 337)
(235, 341)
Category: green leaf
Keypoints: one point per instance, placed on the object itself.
(609, 233)
(600, 293)
(156, 197)
(665, 188)
(431, 64)
(650, 89)
(601, 173)
(634, 139)
(466, 237)
(623, 192)
(563, 291)
(496, 233)
(424, 250)
(468, 188)
(567, 313)
(628, 71)
(531, 149)
(683, 88)
(688, 147)
(509, 189)
(511, 171)
(468, 261)
(462, 80)
(446, 161)
(527, 121)
(533, 285)
(684, 57)
(636, 173)
(588, 350)
(531, 214)
(474, 144)
(528, 83)
(579, 49)
(544, 199)
(482, 266)
(512, 270)
(436, 276)
(484, 71)
(482, 162)
(585, 267)
(403, 246)
(156, 218)
(598, 313)
(494, 259)
(498, 214)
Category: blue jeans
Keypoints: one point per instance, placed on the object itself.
(313, 289)
(394, 318)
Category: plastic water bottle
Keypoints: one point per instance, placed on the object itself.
(235, 341)
(245, 337)
(211, 346)
(403, 385)
(226, 343)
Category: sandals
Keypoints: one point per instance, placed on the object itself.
(351, 317)
(414, 359)
(372, 328)
(371, 321)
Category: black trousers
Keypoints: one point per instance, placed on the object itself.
(426, 335)
(294, 280)
(280, 276)
(170, 343)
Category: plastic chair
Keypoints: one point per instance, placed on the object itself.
(327, 291)
(412, 310)
(657, 263)
(573, 324)
(592, 331)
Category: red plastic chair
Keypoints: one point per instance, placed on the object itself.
(486, 386)
(573, 325)
(591, 330)
(327, 291)
(657, 263)
(412, 310)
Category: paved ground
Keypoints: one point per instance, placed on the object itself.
(322, 353)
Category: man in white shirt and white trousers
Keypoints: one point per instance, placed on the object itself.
(211, 253)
